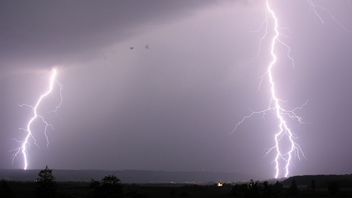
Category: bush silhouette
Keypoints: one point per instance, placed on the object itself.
(109, 186)
(249, 190)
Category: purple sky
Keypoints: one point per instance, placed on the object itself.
(173, 106)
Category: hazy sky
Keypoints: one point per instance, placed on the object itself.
(172, 106)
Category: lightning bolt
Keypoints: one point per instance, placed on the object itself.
(284, 130)
(282, 159)
(23, 149)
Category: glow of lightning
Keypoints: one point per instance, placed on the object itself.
(275, 106)
(316, 10)
(36, 116)
(283, 127)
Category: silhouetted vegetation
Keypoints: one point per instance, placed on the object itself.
(277, 189)
(321, 181)
(293, 190)
(110, 186)
(46, 183)
(257, 189)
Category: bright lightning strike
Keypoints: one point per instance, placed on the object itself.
(37, 116)
(284, 130)
(282, 158)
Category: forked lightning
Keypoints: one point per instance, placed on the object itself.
(282, 159)
(23, 149)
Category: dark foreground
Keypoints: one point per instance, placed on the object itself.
(76, 189)
(45, 185)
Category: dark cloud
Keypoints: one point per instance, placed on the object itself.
(173, 106)
(46, 32)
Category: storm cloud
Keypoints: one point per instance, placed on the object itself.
(159, 85)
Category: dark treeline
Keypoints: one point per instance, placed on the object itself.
(290, 188)
(45, 186)
(321, 181)
(111, 187)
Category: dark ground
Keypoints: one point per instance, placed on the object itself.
(76, 189)
(298, 186)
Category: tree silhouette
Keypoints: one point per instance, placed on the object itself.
(46, 183)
